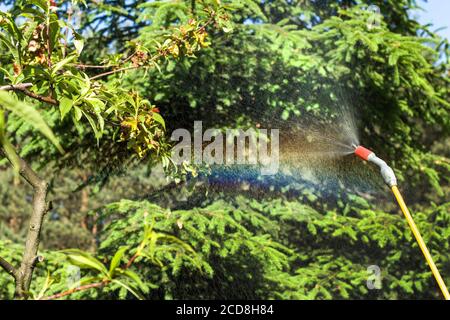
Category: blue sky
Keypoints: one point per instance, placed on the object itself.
(436, 12)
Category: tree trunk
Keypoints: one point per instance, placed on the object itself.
(24, 273)
(30, 255)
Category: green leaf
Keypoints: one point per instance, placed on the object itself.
(61, 64)
(41, 4)
(135, 277)
(158, 118)
(159, 96)
(65, 105)
(97, 104)
(78, 113)
(98, 134)
(85, 260)
(79, 44)
(128, 288)
(48, 282)
(30, 115)
(116, 259)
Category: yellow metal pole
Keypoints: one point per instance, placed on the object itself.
(421, 243)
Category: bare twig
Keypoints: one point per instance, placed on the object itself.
(66, 36)
(90, 66)
(77, 289)
(155, 57)
(113, 71)
(129, 57)
(130, 262)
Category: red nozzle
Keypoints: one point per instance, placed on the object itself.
(363, 153)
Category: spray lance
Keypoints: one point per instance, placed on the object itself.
(389, 178)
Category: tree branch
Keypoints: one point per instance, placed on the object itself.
(23, 87)
(38, 97)
(20, 86)
(8, 267)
